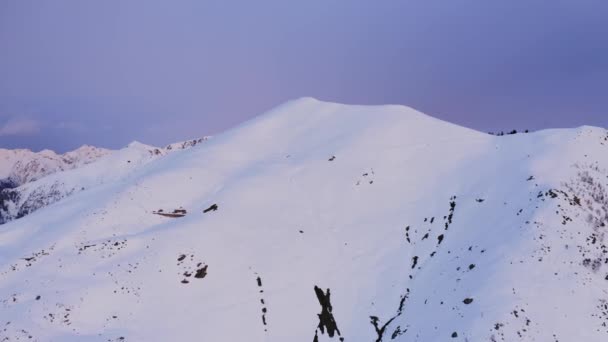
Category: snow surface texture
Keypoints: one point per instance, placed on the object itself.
(325, 222)
(34, 180)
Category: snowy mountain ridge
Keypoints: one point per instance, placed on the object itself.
(325, 222)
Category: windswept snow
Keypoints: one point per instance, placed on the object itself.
(323, 222)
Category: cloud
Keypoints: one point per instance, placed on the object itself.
(19, 127)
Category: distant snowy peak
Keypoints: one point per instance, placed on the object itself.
(85, 154)
(21, 166)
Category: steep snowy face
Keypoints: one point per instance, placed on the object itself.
(325, 222)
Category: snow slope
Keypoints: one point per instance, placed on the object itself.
(325, 222)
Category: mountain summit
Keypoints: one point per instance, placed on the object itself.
(324, 222)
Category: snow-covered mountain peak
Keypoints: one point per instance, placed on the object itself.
(309, 126)
(85, 154)
(322, 222)
(85, 150)
(310, 112)
(308, 105)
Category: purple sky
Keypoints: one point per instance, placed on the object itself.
(109, 72)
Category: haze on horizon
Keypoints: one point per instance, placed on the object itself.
(109, 72)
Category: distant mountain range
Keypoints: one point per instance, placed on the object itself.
(31, 180)
(21, 166)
